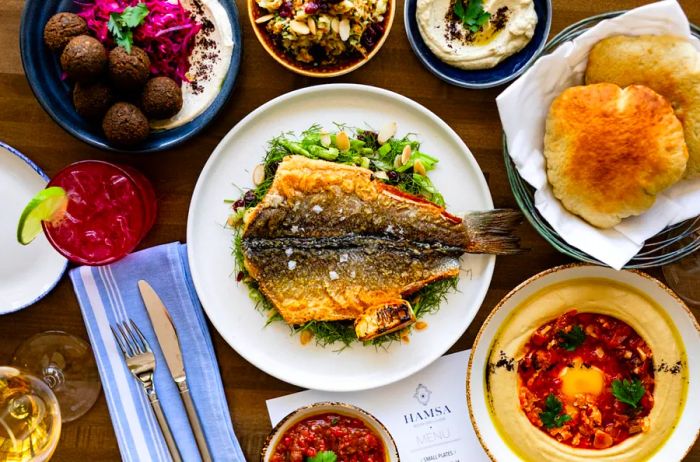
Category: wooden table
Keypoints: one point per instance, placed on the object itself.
(473, 114)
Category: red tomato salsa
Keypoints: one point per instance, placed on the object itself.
(587, 380)
(350, 438)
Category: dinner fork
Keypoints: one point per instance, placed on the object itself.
(142, 363)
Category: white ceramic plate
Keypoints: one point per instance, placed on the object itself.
(227, 304)
(686, 432)
(27, 273)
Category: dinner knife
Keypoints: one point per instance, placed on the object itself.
(168, 340)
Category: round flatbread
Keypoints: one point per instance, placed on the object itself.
(610, 151)
(668, 65)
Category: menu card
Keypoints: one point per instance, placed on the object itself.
(426, 413)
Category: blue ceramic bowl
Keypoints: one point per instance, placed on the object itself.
(504, 72)
(43, 71)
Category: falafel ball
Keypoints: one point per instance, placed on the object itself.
(129, 71)
(62, 27)
(124, 124)
(84, 58)
(91, 100)
(161, 98)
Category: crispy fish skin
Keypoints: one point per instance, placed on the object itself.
(328, 241)
(323, 199)
(334, 279)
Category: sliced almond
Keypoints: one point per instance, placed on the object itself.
(405, 338)
(406, 154)
(233, 220)
(335, 25)
(381, 175)
(312, 25)
(397, 161)
(264, 18)
(299, 27)
(342, 141)
(258, 174)
(325, 139)
(344, 29)
(419, 168)
(386, 133)
(420, 325)
(305, 336)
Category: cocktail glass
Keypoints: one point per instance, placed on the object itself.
(110, 209)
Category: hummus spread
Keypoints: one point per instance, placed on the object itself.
(508, 30)
(209, 62)
(586, 296)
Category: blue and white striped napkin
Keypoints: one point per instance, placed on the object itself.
(109, 294)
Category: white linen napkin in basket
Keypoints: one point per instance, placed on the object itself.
(523, 109)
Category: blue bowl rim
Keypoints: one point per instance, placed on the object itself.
(42, 174)
(198, 124)
(475, 86)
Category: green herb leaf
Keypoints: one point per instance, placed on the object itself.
(120, 25)
(551, 416)
(628, 392)
(572, 339)
(323, 456)
(133, 16)
(471, 13)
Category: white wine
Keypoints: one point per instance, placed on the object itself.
(30, 418)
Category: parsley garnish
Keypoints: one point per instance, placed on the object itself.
(121, 24)
(471, 13)
(572, 339)
(551, 416)
(323, 456)
(628, 392)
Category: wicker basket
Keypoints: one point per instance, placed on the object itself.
(671, 244)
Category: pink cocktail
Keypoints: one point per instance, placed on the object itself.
(110, 209)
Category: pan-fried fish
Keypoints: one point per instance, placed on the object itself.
(330, 242)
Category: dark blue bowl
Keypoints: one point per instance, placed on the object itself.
(504, 72)
(43, 72)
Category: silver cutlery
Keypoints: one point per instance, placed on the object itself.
(142, 363)
(168, 340)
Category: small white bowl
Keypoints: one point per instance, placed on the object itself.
(294, 417)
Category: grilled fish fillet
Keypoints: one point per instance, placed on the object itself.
(328, 242)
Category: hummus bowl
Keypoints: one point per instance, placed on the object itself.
(54, 94)
(305, 32)
(630, 311)
(346, 412)
(505, 71)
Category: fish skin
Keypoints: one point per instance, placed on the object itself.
(328, 241)
(368, 271)
(325, 199)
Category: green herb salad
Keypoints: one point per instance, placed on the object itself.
(395, 161)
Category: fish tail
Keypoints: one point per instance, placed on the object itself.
(493, 232)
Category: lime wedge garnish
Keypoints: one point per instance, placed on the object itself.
(48, 205)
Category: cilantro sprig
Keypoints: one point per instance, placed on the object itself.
(628, 391)
(471, 13)
(572, 339)
(551, 416)
(323, 456)
(121, 25)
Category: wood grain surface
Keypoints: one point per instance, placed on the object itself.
(473, 114)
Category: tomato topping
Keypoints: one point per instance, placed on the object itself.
(350, 438)
(587, 380)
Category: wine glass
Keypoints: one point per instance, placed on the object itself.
(683, 276)
(66, 364)
(30, 418)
